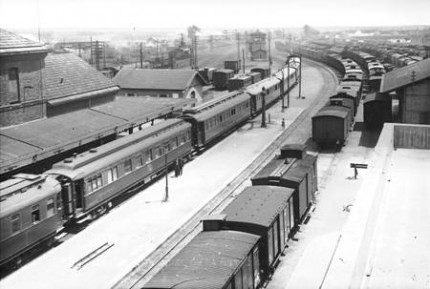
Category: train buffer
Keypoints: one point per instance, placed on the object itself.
(356, 166)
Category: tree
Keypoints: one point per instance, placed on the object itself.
(192, 30)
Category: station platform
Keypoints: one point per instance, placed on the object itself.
(34, 141)
(380, 238)
(138, 226)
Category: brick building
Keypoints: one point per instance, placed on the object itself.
(21, 80)
(411, 85)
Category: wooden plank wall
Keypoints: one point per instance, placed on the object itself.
(412, 136)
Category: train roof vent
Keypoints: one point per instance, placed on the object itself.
(68, 160)
(93, 150)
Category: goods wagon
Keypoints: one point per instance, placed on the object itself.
(238, 82)
(220, 78)
(331, 125)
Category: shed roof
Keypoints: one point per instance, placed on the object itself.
(376, 96)
(47, 137)
(66, 74)
(406, 75)
(156, 79)
(207, 262)
(11, 43)
(258, 205)
(333, 110)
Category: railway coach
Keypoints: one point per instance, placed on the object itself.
(212, 120)
(90, 181)
(266, 211)
(30, 215)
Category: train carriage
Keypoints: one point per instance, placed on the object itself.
(220, 259)
(267, 211)
(30, 214)
(270, 87)
(220, 78)
(350, 90)
(93, 179)
(209, 122)
(345, 100)
(331, 125)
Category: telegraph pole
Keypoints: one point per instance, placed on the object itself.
(166, 195)
(270, 54)
(263, 107)
(243, 57)
(141, 56)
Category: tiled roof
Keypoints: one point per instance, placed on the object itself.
(11, 43)
(65, 74)
(155, 79)
(404, 76)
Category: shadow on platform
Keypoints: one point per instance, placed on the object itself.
(369, 136)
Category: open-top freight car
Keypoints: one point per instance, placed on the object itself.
(30, 215)
(267, 211)
(91, 180)
(238, 82)
(330, 126)
(220, 259)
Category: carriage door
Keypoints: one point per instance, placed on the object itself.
(67, 196)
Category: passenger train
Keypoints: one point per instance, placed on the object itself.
(86, 185)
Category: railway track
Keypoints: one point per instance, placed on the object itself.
(159, 257)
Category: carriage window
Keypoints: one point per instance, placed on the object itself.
(35, 214)
(139, 161)
(174, 145)
(112, 175)
(127, 166)
(220, 118)
(14, 85)
(16, 223)
(188, 135)
(233, 111)
(99, 181)
(160, 151)
(149, 156)
(50, 207)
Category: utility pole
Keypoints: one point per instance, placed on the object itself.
(238, 45)
(270, 55)
(196, 66)
(141, 56)
(263, 107)
(243, 57)
(288, 81)
(166, 196)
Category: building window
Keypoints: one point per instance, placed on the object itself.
(35, 214)
(16, 223)
(50, 207)
(127, 166)
(14, 95)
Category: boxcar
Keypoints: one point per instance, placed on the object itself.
(93, 179)
(272, 92)
(377, 109)
(233, 65)
(331, 125)
(220, 78)
(211, 122)
(30, 214)
(221, 259)
(255, 76)
(266, 211)
(264, 71)
(345, 100)
(239, 81)
(350, 90)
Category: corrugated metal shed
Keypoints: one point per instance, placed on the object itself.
(33, 141)
(405, 75)
(207, 262)
(156, 79)
(258, 205)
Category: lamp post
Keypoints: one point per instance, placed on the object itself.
(263, 107)
(166, 195)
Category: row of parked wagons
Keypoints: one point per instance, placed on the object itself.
(240, 247)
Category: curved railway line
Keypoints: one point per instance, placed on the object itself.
(301, 130)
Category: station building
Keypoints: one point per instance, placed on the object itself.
(178, 83)
(411, 85)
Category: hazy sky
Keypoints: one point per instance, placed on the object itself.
(17, 14)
